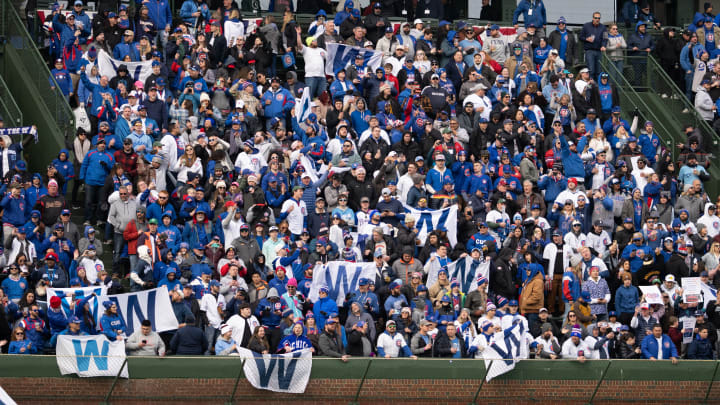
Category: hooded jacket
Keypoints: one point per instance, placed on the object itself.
(641, 41)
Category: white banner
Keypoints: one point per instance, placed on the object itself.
(507, 348)
(340, 277)
(289, 372)
(5, 398)
(302, 107)
(466, 270)
(90, 356)
(652, 294)
(692, 290)
(70, 296)
(107, 66)
(428, 221)
(153, 304)
(688, 328)
(340, 56)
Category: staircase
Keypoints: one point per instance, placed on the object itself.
(26, 79)
(651, 91)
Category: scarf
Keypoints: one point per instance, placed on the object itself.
(20, 130)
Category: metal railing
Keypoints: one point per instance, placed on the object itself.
(631, 100)
(35, 68)
(9, 109)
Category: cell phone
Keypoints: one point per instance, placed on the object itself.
(144, 342)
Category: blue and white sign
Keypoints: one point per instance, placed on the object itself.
(505, 350)
(428, 221)
(340, 277)
(289, 372)
(340, 56)
(107, 66)
(90, 356)
(69, 297)
(153, 304)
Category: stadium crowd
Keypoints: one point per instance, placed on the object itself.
(204, 179)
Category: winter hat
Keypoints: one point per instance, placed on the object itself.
(292, 283)
(225, 328)
(502, 301)
(490, 307)
(486, 325)
(108, 304)
(55, 302)
(481, 280)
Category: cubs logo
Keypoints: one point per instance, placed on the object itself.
(710, 37)
(279, 97)
(197, 86)
(22, 285)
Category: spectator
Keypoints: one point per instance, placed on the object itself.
(145, 342)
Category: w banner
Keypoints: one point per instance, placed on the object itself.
(69, 297)
(90, 356)
(465, 270)
(5, 398)
(302, 107)
(153, 304)
(505, 350)
(340, 277)
(287, 372)
(107, 66)
(428, 221)
(339, 56)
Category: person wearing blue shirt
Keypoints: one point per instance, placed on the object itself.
(62, 77)
(83, 18)
(533, 11)
(593, 36)
(127, 48)
(159, 12)
(112, 325)
(659, 346)
(14, 285)
(324, 307)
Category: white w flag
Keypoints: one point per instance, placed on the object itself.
(340, 277)
(153, 304)
(340, 56)
(507, 348)
(5, 398)
(465, 270)
(69, 297)
(90, 356)
(428, 221)
(288, 372)
(302, 107)
(107, 66)
(709, 292)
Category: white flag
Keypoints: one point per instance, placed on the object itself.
(465, 270)
(506, 349)
(153, 304)
(107, 66)
(302, 107)
(90, 356)
(5, 398)
(289, 372)
(69, 297)
(340, 277)
(428, 221)
(340, 56)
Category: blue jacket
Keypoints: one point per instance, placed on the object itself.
(649, 347)
(109, 324)
(700, 349)
(322, 309)
(92, 171)
(14, 289)
(270, 318)
(295, 342)
(369, 298)
(124, 49)
(281, 101)
(83, 17)
(158, 11)
(58, 321)
(154, 210)
(62, 77)
(552, 187)
(572, 163)
(15, 210)
(626, 298)
(538, 17)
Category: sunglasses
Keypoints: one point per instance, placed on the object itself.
(19, 334)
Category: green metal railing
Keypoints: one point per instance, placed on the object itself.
(36, 68)
(631, 100)
(11, 113)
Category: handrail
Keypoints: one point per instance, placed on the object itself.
(19, 39)
(621, 81)
(10, 109)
